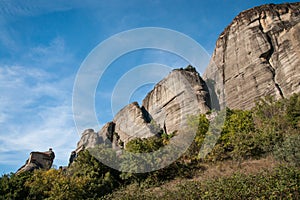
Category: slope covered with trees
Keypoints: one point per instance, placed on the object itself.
(268, 134)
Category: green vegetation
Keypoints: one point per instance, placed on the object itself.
(270, 129)
(144, 145)
(281, 183)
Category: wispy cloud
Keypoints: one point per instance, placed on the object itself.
(36, 105)
(28, 8)
(51, 55)
(35, 112)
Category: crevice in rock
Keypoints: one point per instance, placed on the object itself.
(225, 39)
(146, 115)
(214, 99)
(110, 131)
(172, 99)
(165, 127)
(267, 56)
(222, 96)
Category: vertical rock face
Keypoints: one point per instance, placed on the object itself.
(165, 108)
(181, 93)
(258, 54)
(132, 123)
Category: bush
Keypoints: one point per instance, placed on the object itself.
(145, 145)
(201, 124)
(239, 138)
(258, 131)
(289, 150)
(13, 186)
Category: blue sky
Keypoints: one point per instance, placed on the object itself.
(43, 43)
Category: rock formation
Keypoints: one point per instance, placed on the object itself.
(38, 160)
(180, 94)
(258, 54)
(89, 138)
(165, 109)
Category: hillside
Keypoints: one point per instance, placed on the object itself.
(257, 156)
(253, 78)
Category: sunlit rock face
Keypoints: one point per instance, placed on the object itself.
(165, 109)
(89, 138)
(181, 94)
(258, 54)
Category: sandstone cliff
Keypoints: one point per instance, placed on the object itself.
(181, 93)
(258, 54)
(165, 109)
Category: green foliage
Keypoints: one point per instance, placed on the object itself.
(282, 183)
(257, 132)
(13, 186)
(293, 111)
(277, 119)
(54, 184)
(271, 127)
(86, 178)
(132, 162)
(145, 145)
(289, 150)
(260, 186)
(201, 124)
(100, 179)
(238, 139)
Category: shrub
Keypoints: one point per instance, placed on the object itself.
(239, 139)
(13, 186)
(289, 150)
(145, 145)
(201, 124)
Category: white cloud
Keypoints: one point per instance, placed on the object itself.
(53, 54)
(36, 105)
(29, 120)
(28, 8)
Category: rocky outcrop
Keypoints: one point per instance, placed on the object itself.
(257, 55)
(89, 138)
(38, 160)
(165, 109)
(132, 122)
(180, 94)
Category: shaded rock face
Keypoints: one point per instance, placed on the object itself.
(165, 109)
(258, 54)
(38, 160)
